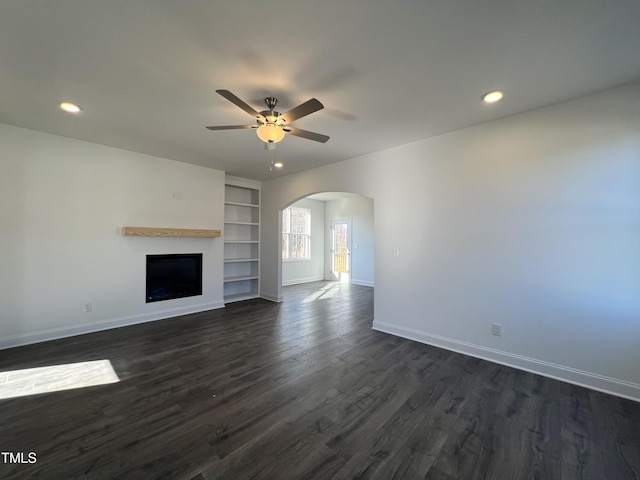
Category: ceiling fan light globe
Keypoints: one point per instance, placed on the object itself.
(270, 133)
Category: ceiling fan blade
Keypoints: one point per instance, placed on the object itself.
(302, 110)
(239, 103)
(298, 132)
(231, 127)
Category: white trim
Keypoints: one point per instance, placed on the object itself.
(272, 298)
(81, 329)
(242, 182)
(364, 283)
(594, 381)
(296, 281)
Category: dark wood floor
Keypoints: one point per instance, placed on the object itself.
(305, 389)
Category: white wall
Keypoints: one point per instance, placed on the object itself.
(301, 271)
(62, 202)
(531, 222)
(360, 211)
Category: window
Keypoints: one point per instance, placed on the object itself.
(296, 233)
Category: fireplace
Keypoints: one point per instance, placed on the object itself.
(173, 276)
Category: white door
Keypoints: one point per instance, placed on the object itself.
(341, 250)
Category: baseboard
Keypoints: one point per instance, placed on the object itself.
(613, 386)
(271, 297)
(364, 283)
(64, 332)
(298, 281)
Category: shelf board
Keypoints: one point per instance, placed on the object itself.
(240, 278)
(169, 232)
(242, 223)
(242, 241)
(239, 260)
(239, 204)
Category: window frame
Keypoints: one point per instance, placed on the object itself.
(289, 234)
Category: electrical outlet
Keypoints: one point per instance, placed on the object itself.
(496, 329)
(88, 307)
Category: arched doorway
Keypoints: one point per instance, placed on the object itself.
(328, 237)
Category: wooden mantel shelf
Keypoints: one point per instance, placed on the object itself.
(168, 232)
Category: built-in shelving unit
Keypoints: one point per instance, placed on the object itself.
(241, 239)
(168, 232)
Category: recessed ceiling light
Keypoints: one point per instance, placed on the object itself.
(278, 164)
(493, 97)
(70, 107)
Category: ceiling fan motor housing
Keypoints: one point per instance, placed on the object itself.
(269, 117)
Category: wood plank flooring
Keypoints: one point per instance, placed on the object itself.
(306, 390)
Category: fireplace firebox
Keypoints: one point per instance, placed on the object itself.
(173, 276)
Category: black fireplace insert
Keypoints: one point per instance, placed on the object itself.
(173, 276)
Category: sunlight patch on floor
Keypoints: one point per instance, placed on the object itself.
(325, 292)
(55, 378)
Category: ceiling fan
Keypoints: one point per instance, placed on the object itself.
(271, 126)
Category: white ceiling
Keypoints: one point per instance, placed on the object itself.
(145, 71)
